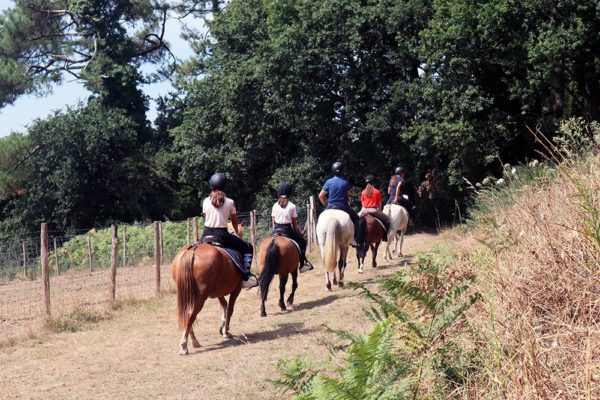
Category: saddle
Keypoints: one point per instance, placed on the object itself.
(217, 243)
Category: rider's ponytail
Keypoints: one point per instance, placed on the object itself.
(217, 198)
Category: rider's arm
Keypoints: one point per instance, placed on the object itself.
(397, 192)
(295, 224)
(234, 222)
(273, 222)
(322, 198)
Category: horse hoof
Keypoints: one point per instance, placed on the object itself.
(360, 271)
(334, 281)
(329, 287)
(227, 335)
(341, 284)
(183, 351)
(290, 302)
(196, 344)
(263, 314)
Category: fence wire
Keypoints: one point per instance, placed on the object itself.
(79, 268)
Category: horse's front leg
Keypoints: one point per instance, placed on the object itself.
(327, 282)
(223, 316)
(183, 348)
(290, 299)
(282, 282)
(401, 241)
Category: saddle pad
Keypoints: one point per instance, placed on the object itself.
(234, 255)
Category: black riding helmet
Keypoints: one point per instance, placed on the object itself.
(399, 170)
(337, 168)
(370, 179)
(284, 189)
(218, 181)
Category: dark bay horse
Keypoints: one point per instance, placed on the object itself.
(373, 235)
(277, 255)
(200, 272)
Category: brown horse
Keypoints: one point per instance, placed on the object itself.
(373, 235)
(277, 255)
(200, 272)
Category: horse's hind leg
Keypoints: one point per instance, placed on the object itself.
(374, 248)
(342, 265)
(223, 316)
(401, 240)
(327, 282)
(282, 282)
(360, 263)
(183, 348)
(232, 298)
(290, 299)
(195, 342)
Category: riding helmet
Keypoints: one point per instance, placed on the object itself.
(337, 167)
(218, 181)
(399, 170)
(284, 189)
(370, 179)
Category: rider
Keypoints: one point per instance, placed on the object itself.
(284, 217)
(395, 189)
(371, 200)
(217, 209)
(337, 191)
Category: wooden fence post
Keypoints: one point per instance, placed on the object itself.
(253, 238)
(157, 256)
(90, 257)
(56, 258)
(45, 266)
(188, 231)
(308, 227)
(195, 229)
(125, 245)
(112, 286)
(313, 219)
(25, 258)
(160, 234)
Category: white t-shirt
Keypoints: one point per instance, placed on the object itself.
(217, 217)
(284, 215)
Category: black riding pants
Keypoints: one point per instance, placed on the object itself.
(229, 240)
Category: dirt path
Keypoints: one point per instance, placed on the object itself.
(134, 356)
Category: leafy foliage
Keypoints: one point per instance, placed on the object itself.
(410, 352)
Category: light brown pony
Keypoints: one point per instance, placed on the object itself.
(373, 235)
(200, 272)
(277, 255)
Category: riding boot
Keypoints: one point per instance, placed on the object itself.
(359, 236)
(304, 264)
(248, 280)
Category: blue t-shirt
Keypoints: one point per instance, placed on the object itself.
(337, 188)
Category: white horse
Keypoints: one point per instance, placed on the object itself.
(398, 222)
(334, 233)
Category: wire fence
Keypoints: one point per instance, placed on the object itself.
(79, 267)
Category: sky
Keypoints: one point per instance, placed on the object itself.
(27, 108)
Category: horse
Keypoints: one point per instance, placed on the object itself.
(201, 271)
(398, 222)
(373, 234)
(277, 255)
(334, 233)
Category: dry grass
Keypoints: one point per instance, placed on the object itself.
(541, 320)
(133, 355)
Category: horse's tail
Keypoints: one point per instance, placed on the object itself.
(269, 269)
(187, 287)
(331, 245)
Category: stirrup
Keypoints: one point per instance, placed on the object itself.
(250, 283)
(306, 267)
